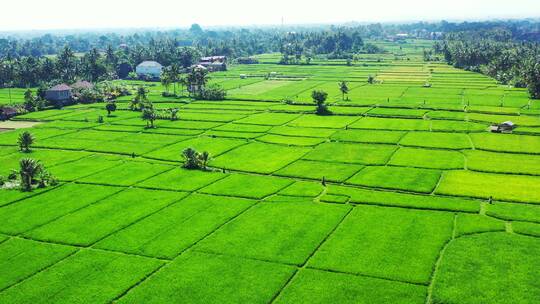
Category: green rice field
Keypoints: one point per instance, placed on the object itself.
(401, 196)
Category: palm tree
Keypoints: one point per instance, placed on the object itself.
(204, 158)
(191, 160)
(25, 141)
(140, 98)
(149, 114)
(344, 88)
(29, 168)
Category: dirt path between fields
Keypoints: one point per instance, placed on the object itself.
(12, 125)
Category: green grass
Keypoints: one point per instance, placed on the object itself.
(314, 121)
(399, 178)
(352, 153)
(215, 146)
(391, 243)
(280, 232)
(391, 198)
(249, 186)
(90, 224)
(526, 228)
(436, 140)
(507, 143)
(166, 233)
(489, 268)
(314, 286)
(268, 119)
(298, 131)
(25, 257)
(290, 140)
(207, 278)
(503, 162)
(259, 157)
(126, 174)
(318, 170)
(391, 124)
(470, 224)
(424, 158)
(511, 211)
(182, 180)
(485, 185)
(302, 188)
(30, 213)
(85, 166)
(371, 136)
(86, 277)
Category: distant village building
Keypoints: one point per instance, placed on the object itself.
(505, 127)
(7, 112)
(149, 69)
(61, 92)
(214, 63)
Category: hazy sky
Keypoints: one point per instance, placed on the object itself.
(75, 14)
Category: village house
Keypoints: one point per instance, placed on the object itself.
(214, 63)
(149, 69)
(82, 85)
(7, 112)
(61, 92)
(505, 127)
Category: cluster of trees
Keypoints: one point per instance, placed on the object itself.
(496, 53)
(31, 172)
(195, 160)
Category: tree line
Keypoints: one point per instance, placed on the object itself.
(497, 53)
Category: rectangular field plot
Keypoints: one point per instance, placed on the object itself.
(352, 153)
(48, 158)
(249, 186)
(484, 185)
(173, 229)
(90, 224)
(268, 119)
(397, 124)
(85, 166)
(316, 121)
(391, 243)
(46, 207)
(269, 232)
(86, 277)
(315, 286)
(391, 198)
(20, 259)
(8, 196)
(182, 180)
(207, 278)
(336, 172)
(259, 157)
(371, 136)
(424, 158)
(399, 178)
(455, 141)
(512, 211)
(290, 140)
(126, 174)
(215, 146)
(302, 188)
(304, 132)
(507, 143)
(503, 162)
(473, 223)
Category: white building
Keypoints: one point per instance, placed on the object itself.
(149, 69)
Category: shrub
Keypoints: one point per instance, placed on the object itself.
(213, 92)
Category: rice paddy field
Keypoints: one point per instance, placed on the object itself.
(400, 196)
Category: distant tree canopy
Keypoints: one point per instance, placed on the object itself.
(495, 53)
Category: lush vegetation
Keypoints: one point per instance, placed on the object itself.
(396, 194)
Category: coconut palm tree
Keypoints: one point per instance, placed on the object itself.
(191, 160)
(149, 115)
(204, 158)
(344, 88)
(29, 169)
(25, 141)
